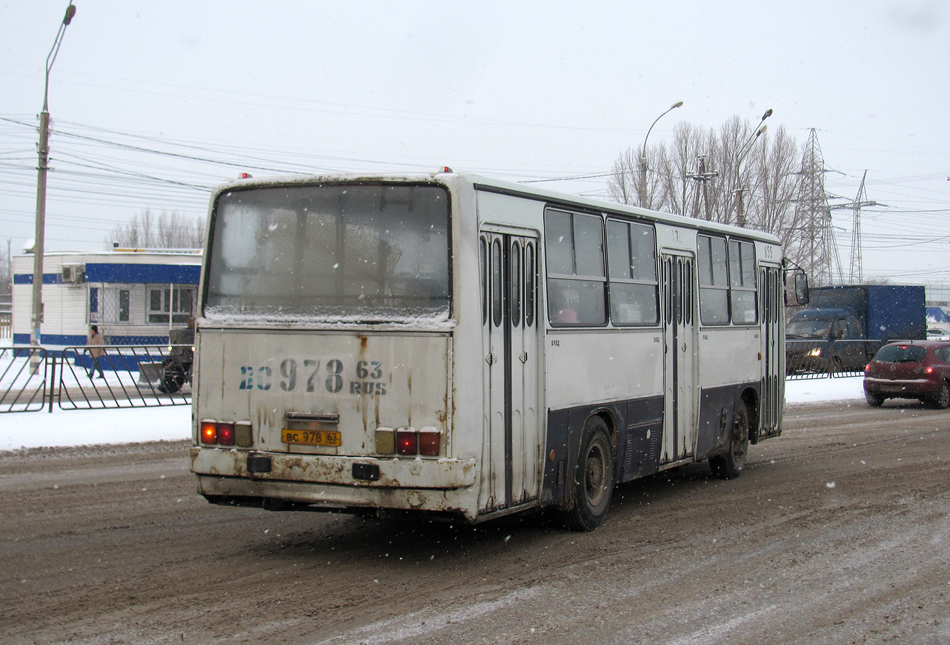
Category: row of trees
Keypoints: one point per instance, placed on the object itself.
(6, 277)
(736, 174)
(163, 231)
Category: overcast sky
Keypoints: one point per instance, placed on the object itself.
(515, 90)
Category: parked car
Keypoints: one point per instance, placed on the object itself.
(910, 370)
(937, 333)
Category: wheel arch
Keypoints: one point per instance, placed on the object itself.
(609, 417)
(749, 397)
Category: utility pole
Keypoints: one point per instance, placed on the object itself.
(38, 241)
(703, 177)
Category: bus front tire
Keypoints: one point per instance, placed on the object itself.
(731, 464)
(593, 480)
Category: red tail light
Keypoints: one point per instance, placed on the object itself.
(407, 441)
(226, 434)
(430, 442)
(929, 370)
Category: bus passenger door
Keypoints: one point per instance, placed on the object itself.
(679, 369)
(511, 449)
(773, 352)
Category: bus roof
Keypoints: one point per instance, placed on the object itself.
(480, 182)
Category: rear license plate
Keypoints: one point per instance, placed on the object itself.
(311, 437)
(892, 389)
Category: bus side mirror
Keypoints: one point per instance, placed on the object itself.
(796, 293)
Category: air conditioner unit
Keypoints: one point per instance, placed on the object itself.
(73, 273)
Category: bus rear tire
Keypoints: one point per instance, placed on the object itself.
(593, 481)
(731, 464)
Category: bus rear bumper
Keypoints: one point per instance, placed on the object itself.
(297, 496)
(358, 472)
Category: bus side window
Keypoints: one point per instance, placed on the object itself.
(742, 282)
(631, 254)
(713, 285)
(574, 247)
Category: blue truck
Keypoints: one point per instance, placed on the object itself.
(844, 326)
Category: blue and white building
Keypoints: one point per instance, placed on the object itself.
(133, 295)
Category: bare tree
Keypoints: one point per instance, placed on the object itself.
(165, 231)
(734, 175)
(6, 275)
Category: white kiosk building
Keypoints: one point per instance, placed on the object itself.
(135, 296)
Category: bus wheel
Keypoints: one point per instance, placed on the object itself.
(593, 480)
(730, 465)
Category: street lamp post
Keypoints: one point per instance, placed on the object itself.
(643, 156)
(746, 149)
(38, 242)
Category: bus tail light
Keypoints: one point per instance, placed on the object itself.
(226, 434)
(430, 442)
(209, 432)
(407, 441)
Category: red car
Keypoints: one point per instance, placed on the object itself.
(917, 369)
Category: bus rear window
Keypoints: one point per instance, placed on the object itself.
(365, 252)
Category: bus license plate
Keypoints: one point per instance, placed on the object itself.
(311, 437)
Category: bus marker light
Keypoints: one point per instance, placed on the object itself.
(226, 433)
(430, 442)
(385, 441)
(209, 432)
(407, 441)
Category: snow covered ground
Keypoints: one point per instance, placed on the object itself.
(84, 427)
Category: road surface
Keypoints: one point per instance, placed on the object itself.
(838, 532)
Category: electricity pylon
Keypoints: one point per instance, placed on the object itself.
(856, 274)
(815, 237)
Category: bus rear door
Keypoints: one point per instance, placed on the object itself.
(510, 337)
(773, 352)
(679, 392)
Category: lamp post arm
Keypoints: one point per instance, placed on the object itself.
(643, 156)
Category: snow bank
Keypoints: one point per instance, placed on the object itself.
(87, 427)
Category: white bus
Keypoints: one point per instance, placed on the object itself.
(457, 345)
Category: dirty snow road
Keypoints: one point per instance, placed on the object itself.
(838, 532)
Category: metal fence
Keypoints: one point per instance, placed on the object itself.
(34, 378)
(828, 358)
(6, 324)
(23, 379)
(128, 376)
